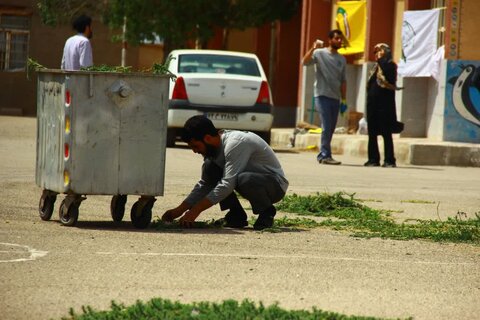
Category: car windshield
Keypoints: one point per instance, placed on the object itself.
(215, 63)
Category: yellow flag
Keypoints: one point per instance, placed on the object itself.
(351, 19)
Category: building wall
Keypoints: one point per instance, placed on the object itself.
(316, 19)
(469, 38)
(436, 105)
(380, 25)
(462, 102)
(243, 41)
(425, 105)
(18, 95)
(285, 72)
(148, 54)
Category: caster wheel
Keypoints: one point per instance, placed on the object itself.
(68, 214)
(45, 206)
(141, 214)
(117, 207)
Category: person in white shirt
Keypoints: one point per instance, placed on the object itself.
(77, 52)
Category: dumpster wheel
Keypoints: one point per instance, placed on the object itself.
(46, 204)
(141, 213)
(117, 207)
(68, 211)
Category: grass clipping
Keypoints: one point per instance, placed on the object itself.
(157, 68)
(229, 309)
(343, 212)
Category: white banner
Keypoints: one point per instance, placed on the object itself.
(419, 43)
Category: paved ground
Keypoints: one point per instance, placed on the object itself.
(46, 268)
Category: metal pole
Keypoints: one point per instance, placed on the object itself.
(124, 41)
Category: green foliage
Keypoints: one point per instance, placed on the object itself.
(159, 68)
(33, 66)
(341, 211)
(179, 23)
(229, 309)
(321, 204)
(348, 214)
(55, 12)
(105, 68)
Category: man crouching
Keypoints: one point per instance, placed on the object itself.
(233, 161)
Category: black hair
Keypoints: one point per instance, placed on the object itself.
(197, 127)
(332, 33)
(81, 23)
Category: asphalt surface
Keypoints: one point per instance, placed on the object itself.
(46, 268)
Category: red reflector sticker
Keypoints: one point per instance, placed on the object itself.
(68, 98)
(67, 150)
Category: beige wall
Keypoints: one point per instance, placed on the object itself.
(243, 41)
(148, 54)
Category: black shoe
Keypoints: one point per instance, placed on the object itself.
(265, 219)
(371, 164)
(232, 219)
(389, 165)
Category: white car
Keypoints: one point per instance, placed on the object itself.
(230, 88)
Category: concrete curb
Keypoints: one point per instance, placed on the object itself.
(415, 151)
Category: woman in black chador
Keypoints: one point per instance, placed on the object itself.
(381, 111)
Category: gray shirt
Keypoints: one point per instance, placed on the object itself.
(239, 152)
(329, 73)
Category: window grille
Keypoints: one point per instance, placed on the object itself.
(14, 38)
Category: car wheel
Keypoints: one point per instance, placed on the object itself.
(265, 135)
(171, 137)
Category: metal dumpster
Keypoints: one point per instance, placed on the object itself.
(101, 133)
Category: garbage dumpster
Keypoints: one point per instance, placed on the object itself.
(101, 133)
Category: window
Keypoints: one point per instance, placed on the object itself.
(211, 63)
(14, 36)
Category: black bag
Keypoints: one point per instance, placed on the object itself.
(397, 127)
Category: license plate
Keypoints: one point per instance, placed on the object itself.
(220, 116)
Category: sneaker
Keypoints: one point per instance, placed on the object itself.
(389, 165)
(371, 164)
(265, 219)
(329, 161)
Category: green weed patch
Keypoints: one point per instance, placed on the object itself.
(362, 221)
(227, 310)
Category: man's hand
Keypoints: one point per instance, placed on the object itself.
(317, 44)
(189, 218)
(172, 214)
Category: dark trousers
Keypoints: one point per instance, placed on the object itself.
(261, 189)
(373, 152)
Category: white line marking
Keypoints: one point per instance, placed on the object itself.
(247, 256)
(33, 253)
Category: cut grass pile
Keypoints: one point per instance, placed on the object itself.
(344, 212)
(157, 68)
(341, 211)
(227, 310)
